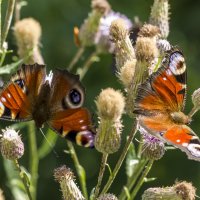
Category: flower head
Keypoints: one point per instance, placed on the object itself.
(66, 179)
(11, 145)
(107, 197)
(152, 147)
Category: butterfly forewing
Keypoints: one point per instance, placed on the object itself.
(17, 97)
(160, 102)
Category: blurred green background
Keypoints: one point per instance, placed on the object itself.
(57, 18)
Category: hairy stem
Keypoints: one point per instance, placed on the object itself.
(80, 170)
(7, 22)
(24, 180)
(122, 157)
(101, 173)
(34, 160)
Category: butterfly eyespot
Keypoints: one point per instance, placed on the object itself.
(74, 99)
(75, 96)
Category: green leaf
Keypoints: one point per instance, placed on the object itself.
(127, 193)
(131, 161)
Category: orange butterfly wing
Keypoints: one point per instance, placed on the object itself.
(162, 94)
(68, 118)
(17, 98)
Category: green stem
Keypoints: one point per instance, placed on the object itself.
(133, 178)
(142, 178)
(7, 22)
(92, 58)
(76, 58)
(80, 170)
(101, 173)
(34, 160)
(122, 157)
(24, 180)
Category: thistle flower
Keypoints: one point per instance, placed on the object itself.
(11, 145)
(107, 197)
(180, 191)
(160, 16)
(110, 106)
(27, 33)
(90, 26)
(124, 51)
(152, 148)
(65, 177)
(102, 38)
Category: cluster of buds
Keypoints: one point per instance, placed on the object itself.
(11, 145)
(66, 179)
(110, 106)
(27, 33)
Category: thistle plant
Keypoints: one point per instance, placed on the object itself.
(132, 153)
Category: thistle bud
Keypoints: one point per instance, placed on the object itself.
(65, 177)
(27, 33)
(196, 98)
(124, 50)
(11, 145)
(126, 73)
(152, 148)
(107, 197)
(89, 28)
(1, 195)
(180, 191)
(160, 16)
(110, 105)
(102, 39)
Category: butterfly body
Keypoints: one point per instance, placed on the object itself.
(160, 102)
(56, 99)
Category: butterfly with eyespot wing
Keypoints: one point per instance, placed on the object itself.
(160, 102)
(56, 99)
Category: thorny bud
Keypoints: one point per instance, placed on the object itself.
(27, 33)
(65, 177)
(11, 145)
(110, 106)
(152, 148)
(160, 16)
(124, 50)
(107, 197)
(89, 28)
(102, 39)
(180, 191)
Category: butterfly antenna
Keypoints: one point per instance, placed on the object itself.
(49, 143)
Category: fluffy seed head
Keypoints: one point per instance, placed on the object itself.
(11, 145)
(146, 49)
(149, 30)
(110, 104)
(160, 16)
(69, 189)
(127, 72)
(27, 32)
(186, 190)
